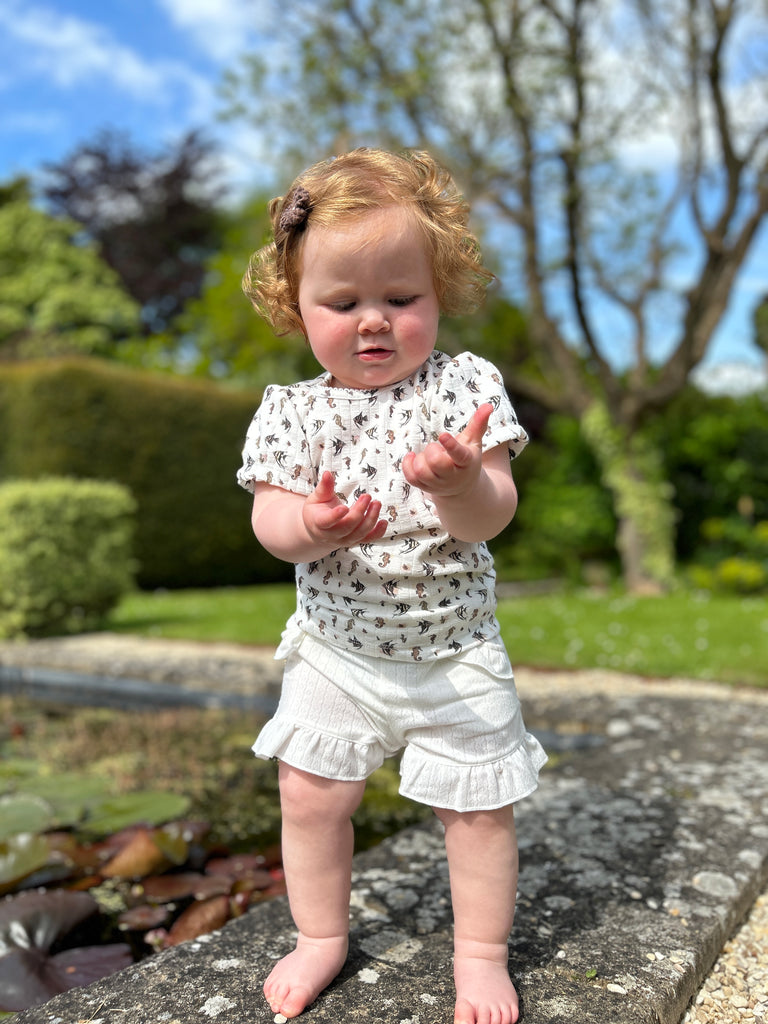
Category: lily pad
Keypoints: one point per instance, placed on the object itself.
(71, 796)
(19, 857)
(199, 919)
(13, 769)
(143, 918)
(30, 977)
(23, 812)
(35, 920)
(30, 923)
(152, 807)
(141, 856)
(172, 843)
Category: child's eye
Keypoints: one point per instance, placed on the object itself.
(341, 307)
(403, 300)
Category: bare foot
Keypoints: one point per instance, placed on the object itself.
(299, 978)
(484, 991)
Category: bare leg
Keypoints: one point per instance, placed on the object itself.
(482, 859)
(317, 858)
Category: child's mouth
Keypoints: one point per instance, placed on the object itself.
(375, 354)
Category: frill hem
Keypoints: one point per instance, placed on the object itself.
(319, 753)
(483, 787)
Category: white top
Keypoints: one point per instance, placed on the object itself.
(417, 592)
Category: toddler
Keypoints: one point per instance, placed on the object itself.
(382, 479)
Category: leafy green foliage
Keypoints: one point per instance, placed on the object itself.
(23, 851)
(565, 517)
(23, 812)
(65, 553)
(733, 556)
(56, 294)
(631, 469)
(149, 806)
(175, 444)
(219, 334)
(715, 452)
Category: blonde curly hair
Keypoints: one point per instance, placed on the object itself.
(354, 184)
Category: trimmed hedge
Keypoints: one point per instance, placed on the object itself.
(175, 444)
(66, 554)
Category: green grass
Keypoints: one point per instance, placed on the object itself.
(717, 637)
(698, 636)
(240, 615)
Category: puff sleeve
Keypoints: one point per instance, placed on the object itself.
(276, 449)
(469, 381)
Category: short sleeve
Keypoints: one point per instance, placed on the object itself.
(469, 381)
(276, 450)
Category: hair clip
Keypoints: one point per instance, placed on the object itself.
(295, 209)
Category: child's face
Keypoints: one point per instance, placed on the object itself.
(367, 299)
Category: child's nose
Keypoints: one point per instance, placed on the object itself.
(372, 321)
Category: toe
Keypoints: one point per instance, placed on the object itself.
(464, 1013)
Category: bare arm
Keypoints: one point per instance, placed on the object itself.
(296, 528)
(473, 492)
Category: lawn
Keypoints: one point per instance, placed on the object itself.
(689, 634)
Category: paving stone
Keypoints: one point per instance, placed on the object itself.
(642, 852)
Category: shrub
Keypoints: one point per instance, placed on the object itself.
(733, 556)
(740, 575)
(716, 456)
(65, 554)
(565, 517)
(174, 443)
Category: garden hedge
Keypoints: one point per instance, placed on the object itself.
(174, 443)
(66, 554)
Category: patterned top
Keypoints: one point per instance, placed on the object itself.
(417, 592)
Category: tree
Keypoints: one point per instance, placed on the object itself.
(56, 295)
(153, 217)
(219, 334)
(541, 107)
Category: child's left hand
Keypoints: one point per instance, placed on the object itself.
(450, 466)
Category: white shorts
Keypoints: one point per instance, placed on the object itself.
(457, 719)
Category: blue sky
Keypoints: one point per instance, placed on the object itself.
(151, 68)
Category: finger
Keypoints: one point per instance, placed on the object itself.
(378, 531)
(415, 470)
(368, 527)
(428, 465)
(477, 426)
(325, 487)
(407, 468)
(459, 452)
(460, 448)
(356, 516)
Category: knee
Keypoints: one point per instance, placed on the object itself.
(500, 819)
(307, 799)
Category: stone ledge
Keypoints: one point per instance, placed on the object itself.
(640, 853)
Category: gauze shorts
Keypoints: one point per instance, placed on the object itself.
(457, 720)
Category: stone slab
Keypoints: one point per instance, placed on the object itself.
(643, 848)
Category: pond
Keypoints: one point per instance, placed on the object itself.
(123, 832)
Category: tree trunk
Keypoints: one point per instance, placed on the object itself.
(642, 500)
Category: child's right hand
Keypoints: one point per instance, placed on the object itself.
(328, 521)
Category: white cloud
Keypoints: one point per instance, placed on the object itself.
(70, 51)
(222, 29)
(735, 379)
(246, 162)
